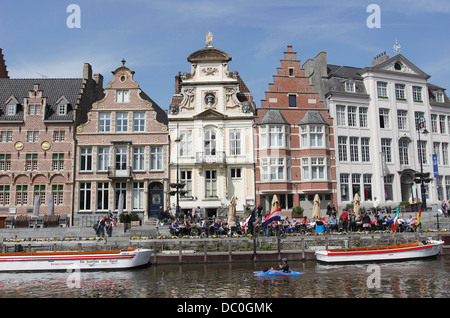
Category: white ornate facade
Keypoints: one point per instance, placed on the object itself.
(210, 126)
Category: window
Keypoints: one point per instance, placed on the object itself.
(62, 109)
(382, 89)
(185, 143)
(59, 135)
(122, 122)
(354, 153)
(264, 169)
(103, 158)
(316, 136)
(211, 183)
(317, 168)
(85, 196)
(440, 188)
(235, 173)
(39, 190)
(447, 186)
(344, 187)
(434, 127)
(417, 93)
(400, 91)
(422, 151)
(12, 109)
(277, 169)
(442, 127)
(439, 97)
(356, 184)
(437, 151)
(6, 136)
(363, 117)
(33, 136)
(445, 154)
(5, 162)
(120, 188)
(386, 149)
(384, 117)
(122, 96)
(276, 136)
(342, 148)
(291, 71)
(138, 195)
(121, 159)
(58, 194)
(138, 158)
(388, 194)
(403, 146)
(104, 122)
(186, 178)
(340, 115)
(292, 100)
(4, 194)
(58, 161)
(352, 119)
(402, 119)
(235, 142)
(102, 196)
(210, 142)
(21, 194)
(138, 122)
(365, 149)
(31, 163)
(156, 158)
(86, 159)
(350, 86)
(34, 109)
(367, 179)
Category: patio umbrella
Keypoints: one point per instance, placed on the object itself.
(51, 205)
(317, 214)
(232, 209)
(275, 203)
(356, 204)
(37, 202)
(120, 206)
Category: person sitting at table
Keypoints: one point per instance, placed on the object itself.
(291, 226)
(174, 227)
(332, 225)
(218, 227)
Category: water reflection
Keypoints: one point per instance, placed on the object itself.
(425, 278)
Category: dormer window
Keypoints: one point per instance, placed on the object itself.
(62, 109)
(350, 86)
(122, 96)
(12, 108)
(439, 97)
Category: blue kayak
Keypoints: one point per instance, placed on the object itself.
(272, 272)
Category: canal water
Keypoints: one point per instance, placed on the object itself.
(409, 279)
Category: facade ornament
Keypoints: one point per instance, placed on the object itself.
(248, 107)
(210, 99)
(174, 109)
(209, 70)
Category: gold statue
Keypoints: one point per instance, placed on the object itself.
(209, 38)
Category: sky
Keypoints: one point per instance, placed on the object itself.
(47, 38)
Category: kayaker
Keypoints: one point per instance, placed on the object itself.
(285, 266)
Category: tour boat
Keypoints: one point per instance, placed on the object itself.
(381, 253)
(97, 260)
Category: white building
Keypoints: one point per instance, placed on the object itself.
(375, 111)
(210, 126)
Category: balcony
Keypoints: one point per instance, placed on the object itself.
(120, 172)
(217, 157)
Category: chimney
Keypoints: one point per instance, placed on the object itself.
(380, 58)
(3, 70)
(178, 83)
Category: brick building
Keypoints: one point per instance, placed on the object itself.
(122, 147)
(37, 120)
(294, 142)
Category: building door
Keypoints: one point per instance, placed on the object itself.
(155, 198)
(121, 161)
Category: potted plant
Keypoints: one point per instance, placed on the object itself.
(125, 218)
(297, 212)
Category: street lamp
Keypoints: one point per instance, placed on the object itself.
(421, 128)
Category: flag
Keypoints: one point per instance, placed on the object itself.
(395, 219)
(418, 216)
(274, 216)
(250, 218)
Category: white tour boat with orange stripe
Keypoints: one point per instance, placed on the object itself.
(35, 261)
(380, 253)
